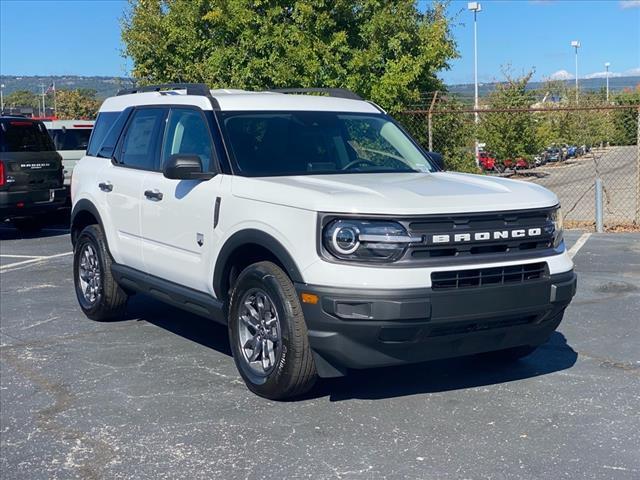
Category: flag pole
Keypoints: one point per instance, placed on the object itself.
(55, 102)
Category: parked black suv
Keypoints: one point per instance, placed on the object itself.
(31, 177)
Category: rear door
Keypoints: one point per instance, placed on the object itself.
(121, 181)
(178, 215)
(30, 161)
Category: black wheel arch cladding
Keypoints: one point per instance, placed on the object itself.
(242, 239)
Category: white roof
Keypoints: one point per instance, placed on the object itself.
(241, 100)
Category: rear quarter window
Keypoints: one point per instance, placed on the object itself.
(102, 127)
(24, 136)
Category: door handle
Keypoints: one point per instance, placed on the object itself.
(105, 186)
(153, 195)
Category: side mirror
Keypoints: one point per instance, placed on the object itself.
(185, 167)
(437, 159)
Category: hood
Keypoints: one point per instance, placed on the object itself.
(396, 193)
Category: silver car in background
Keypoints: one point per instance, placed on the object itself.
(70, 138)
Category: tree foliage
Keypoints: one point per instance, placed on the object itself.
(513, 134)
(386, 51)
(76, 104)
(21, 98)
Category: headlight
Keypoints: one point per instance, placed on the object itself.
(366, 240)
(556, 218)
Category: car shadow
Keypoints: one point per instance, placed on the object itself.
(447, 375)
(54, 224)
(374, 384)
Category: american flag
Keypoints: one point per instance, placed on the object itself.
(51, 88)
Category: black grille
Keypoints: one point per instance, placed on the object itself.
(480, 223)
(479, 277)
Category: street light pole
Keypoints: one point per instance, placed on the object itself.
(475, 7)
(1, 98)
(606, 66)
(576, 44)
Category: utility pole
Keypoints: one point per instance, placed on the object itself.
(475, 7)
(1, 98)
(44, 107)
(606, 66)
(576, 44)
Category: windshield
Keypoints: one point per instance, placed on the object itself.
(71, 139)
(24, 136)
(307, 143)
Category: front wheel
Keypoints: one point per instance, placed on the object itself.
(268, 334)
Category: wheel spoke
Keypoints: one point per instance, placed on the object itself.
(271, 351)
(257, 350)
(250, 322)
(265, 355)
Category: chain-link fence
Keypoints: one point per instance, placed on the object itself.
(562, 148)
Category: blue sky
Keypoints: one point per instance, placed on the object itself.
(82, 37)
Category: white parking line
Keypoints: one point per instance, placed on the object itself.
(32, 260)
(579, 244)
(6, 255)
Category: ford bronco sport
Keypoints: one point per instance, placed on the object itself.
(31, 179)
(315, 228)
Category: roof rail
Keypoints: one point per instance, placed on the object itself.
(191, 88)
(332, 92)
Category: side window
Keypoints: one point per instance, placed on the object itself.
(187, 133)
(139, 147)
(104, 122)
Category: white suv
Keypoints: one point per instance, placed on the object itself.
(315, 228)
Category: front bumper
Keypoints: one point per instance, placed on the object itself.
(358, 328)
(15, 204)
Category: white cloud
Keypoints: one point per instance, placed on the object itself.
(603, 75)
(629, 3)
(561, 75)
(632, 72)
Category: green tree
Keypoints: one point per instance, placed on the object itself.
(386, 51)
(625, 121)
(76, 104)
(21, 98)
(510, 134)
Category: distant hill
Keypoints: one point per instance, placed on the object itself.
(104, 86)
(108, 86)
(587, 84)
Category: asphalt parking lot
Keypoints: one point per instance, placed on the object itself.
(157, 395)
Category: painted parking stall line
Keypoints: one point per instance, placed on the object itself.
(579, 244)
(11, 266)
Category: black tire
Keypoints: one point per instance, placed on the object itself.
(110, 299)
(28, 224)
(510, 354)
(293, 371)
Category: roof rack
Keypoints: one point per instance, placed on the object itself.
(332, 92)
(191, 88)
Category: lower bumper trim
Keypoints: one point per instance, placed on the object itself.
(352, 328)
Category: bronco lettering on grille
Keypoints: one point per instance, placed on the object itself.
(483, 236)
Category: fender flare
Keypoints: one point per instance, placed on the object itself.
(252, 236)
(83, 205)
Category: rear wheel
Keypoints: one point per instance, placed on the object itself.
(268, 334)
(99, 295)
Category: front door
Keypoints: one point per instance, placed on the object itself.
(178, 215)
